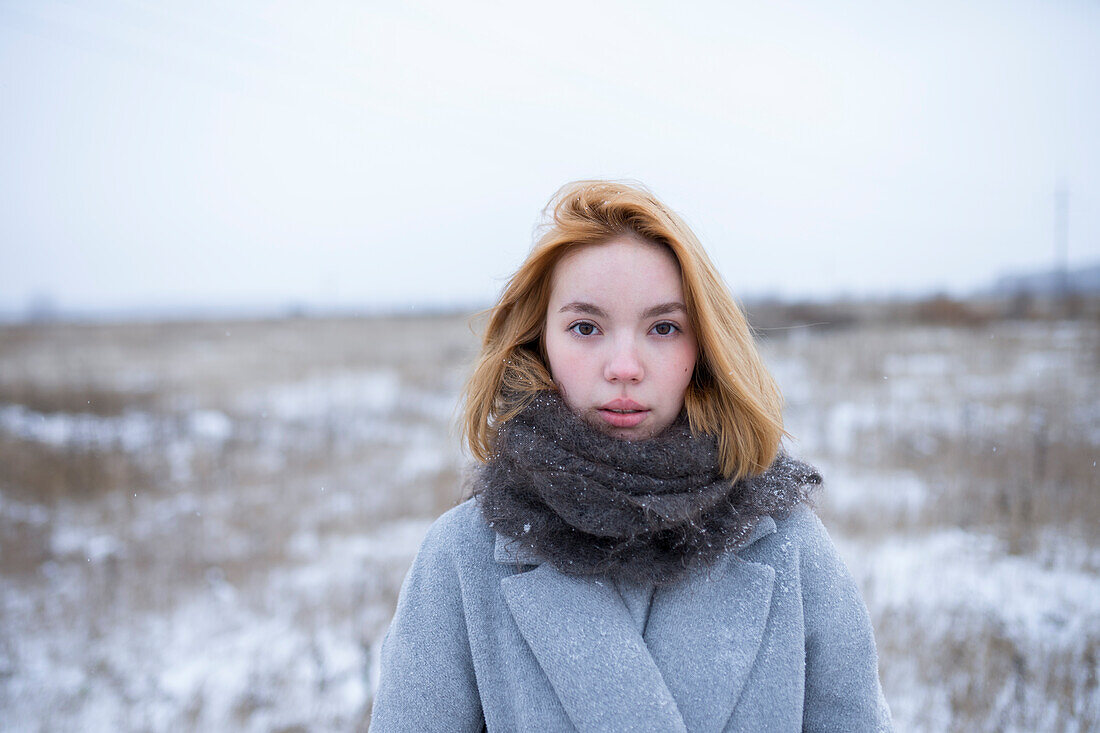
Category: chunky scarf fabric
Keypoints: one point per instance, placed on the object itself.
(645, 511)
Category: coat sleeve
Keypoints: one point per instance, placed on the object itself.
(842, 684)
(427, 676)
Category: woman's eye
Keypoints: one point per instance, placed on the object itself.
(665, 329)
(584, 328)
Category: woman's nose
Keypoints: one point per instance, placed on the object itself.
(624, 364)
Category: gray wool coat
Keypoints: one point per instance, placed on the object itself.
(774, 637)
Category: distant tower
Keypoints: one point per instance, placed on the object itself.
(1061, 240)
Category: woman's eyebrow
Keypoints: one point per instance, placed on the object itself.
(664, 309)
(582, 307)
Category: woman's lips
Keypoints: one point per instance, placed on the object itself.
(623, 413)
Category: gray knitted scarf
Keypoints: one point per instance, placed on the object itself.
(645, 511)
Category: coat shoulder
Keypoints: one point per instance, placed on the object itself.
(801, 547)
(461, 530)
(800, 528)
(801, 522)
(427, 679)
(842, 686)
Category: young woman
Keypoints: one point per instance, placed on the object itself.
(638, 553)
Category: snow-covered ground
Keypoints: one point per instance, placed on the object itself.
(940, 448)
(223, 550)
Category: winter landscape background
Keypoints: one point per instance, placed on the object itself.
(214, 469)
(204, 525)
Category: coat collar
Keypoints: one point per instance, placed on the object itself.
(687, 670)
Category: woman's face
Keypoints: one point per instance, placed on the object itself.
(618, 337)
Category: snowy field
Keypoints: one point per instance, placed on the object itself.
(204, 526)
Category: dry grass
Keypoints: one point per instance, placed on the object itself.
(988, 681)
(109, 532)
(1002, 423)
(74, 398)
(43, 473)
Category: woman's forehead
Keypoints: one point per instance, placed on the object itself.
(625, 268)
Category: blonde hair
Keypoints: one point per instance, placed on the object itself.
(731, 394)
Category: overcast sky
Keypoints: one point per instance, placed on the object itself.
(179, 154)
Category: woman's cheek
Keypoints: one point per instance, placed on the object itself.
(574, 368)
(566, 364)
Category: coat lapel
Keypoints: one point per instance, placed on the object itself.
(687, 673)
(704, 634)
(583, 638)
